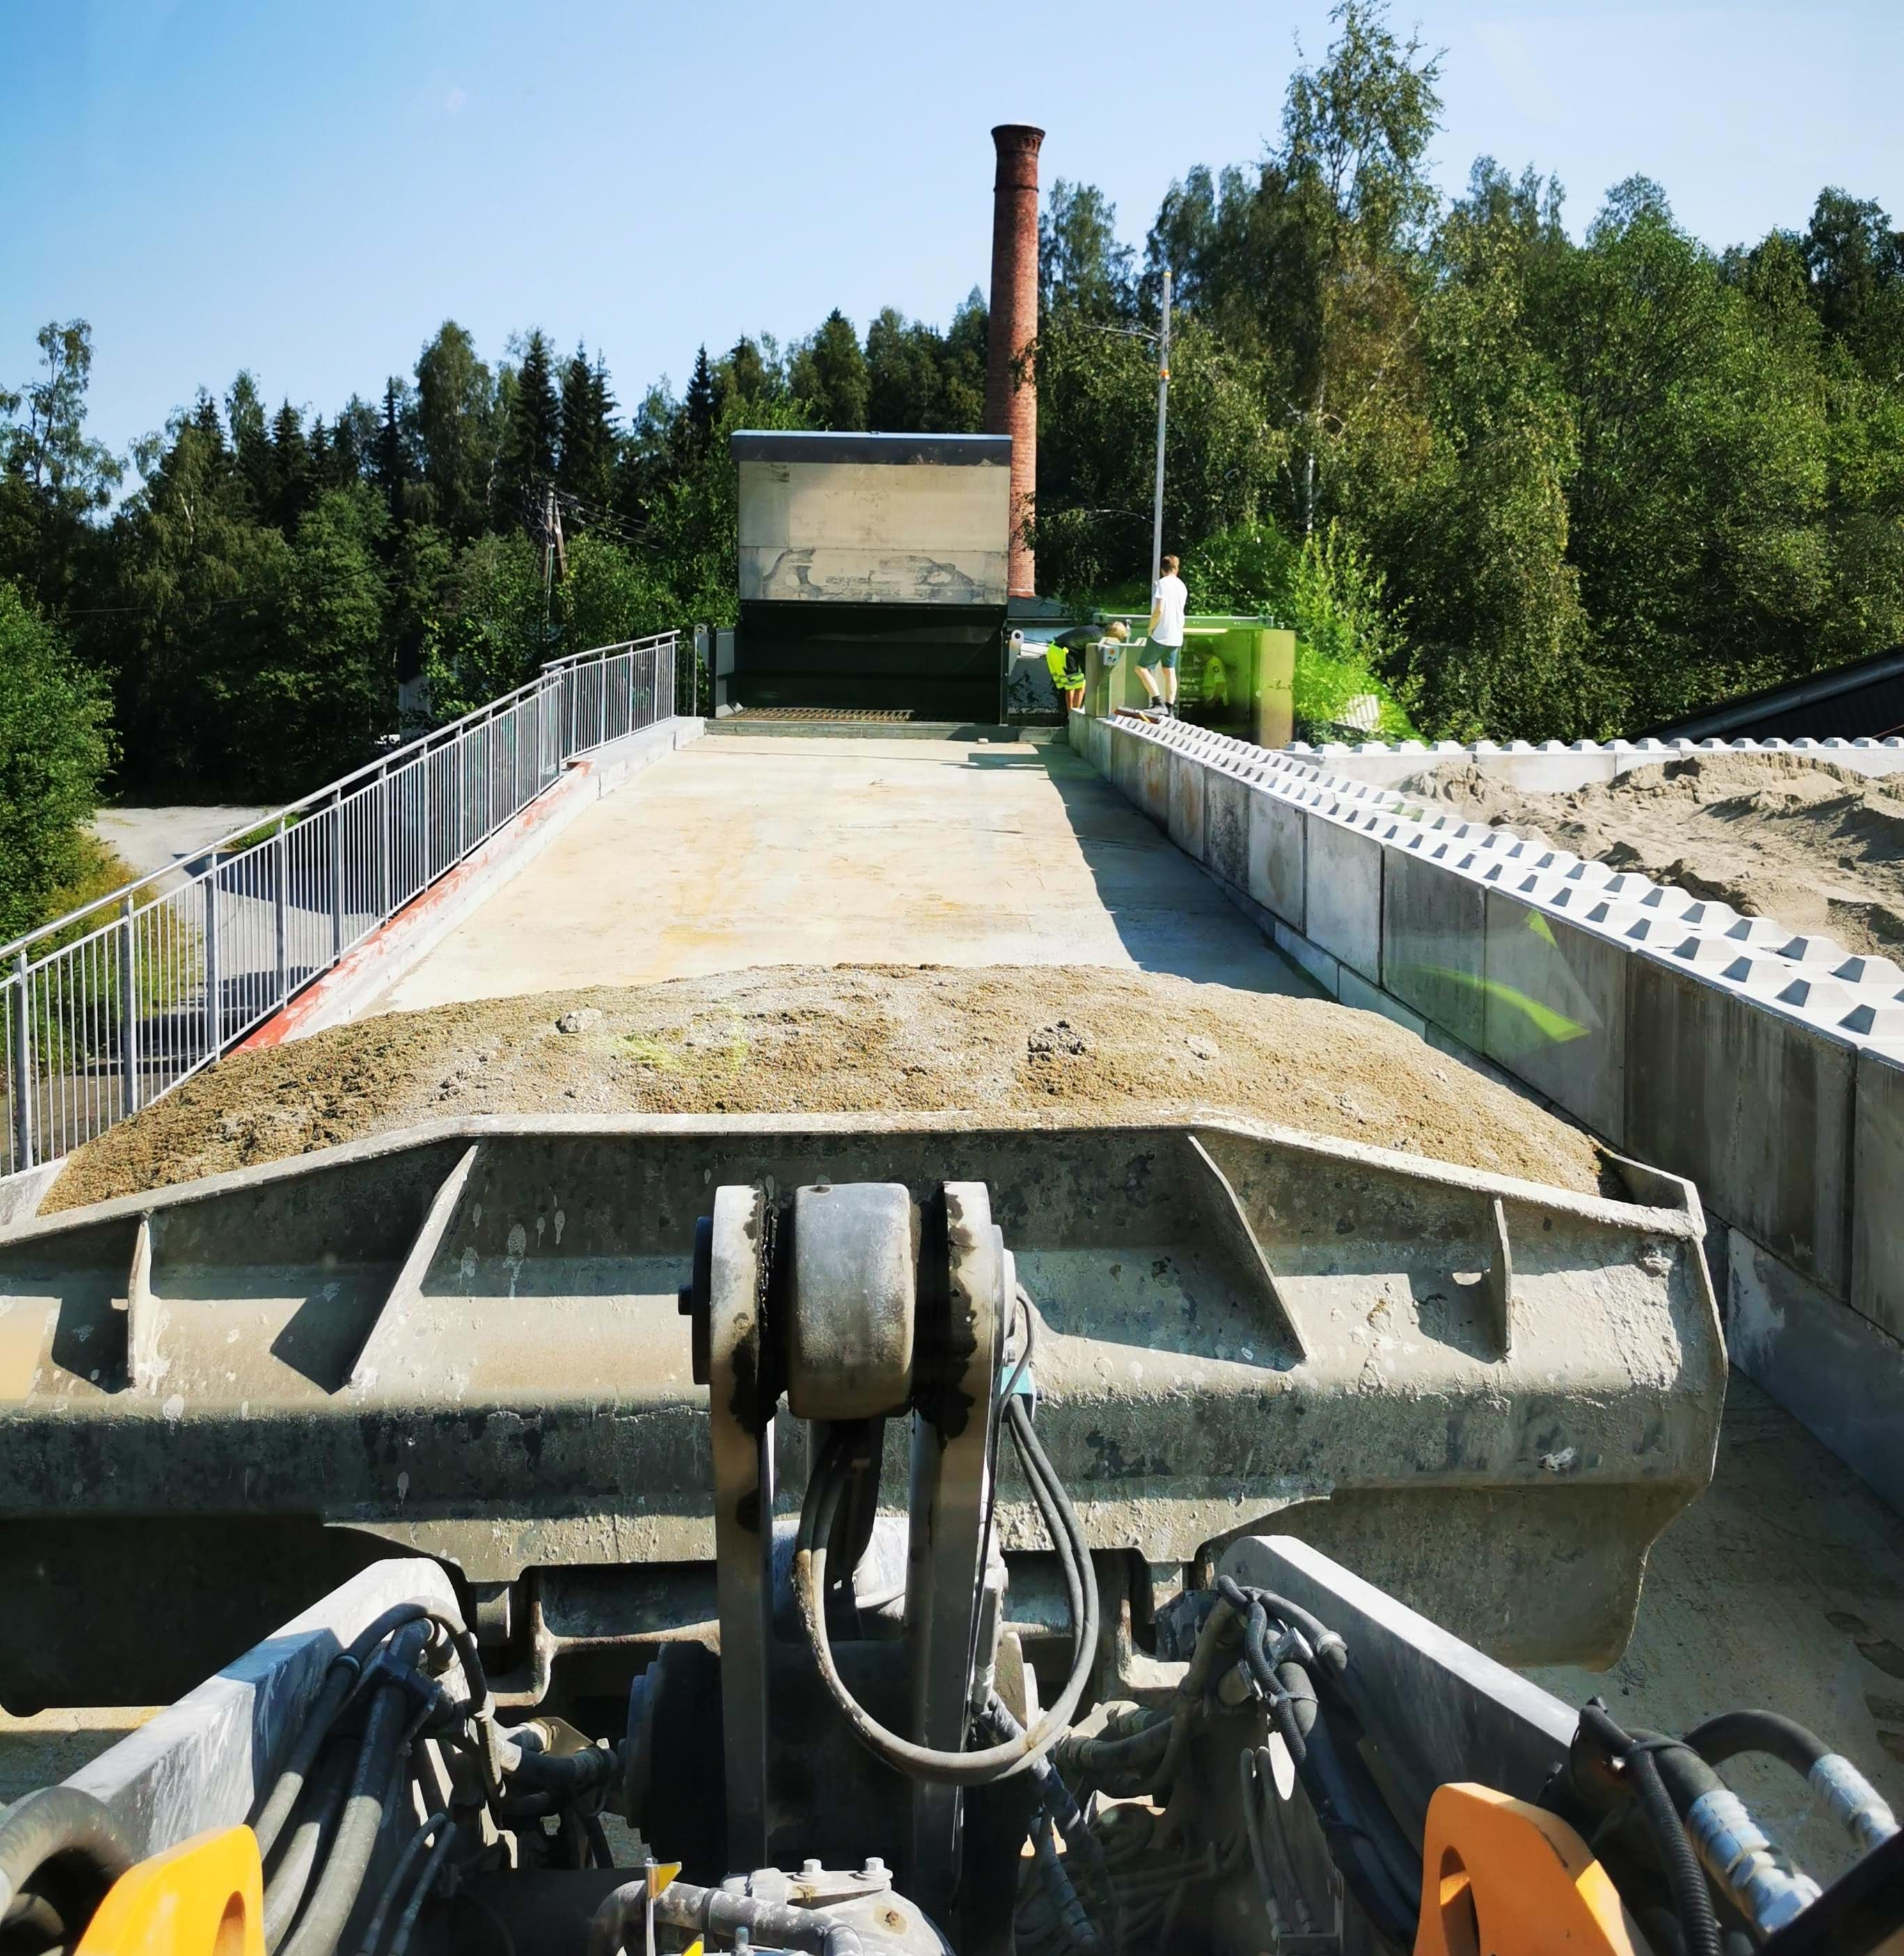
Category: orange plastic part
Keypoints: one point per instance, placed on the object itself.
(204, 1897)
(1500, 1877)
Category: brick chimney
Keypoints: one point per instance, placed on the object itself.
(1009, 409)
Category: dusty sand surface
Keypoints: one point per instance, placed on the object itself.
(1017, 1043)
(1819, 848)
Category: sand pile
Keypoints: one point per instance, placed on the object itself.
(1817, 846)
(1013, 1043)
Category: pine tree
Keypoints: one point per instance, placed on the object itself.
(531, 439)
(830, 375)
(292, 487)
(390, 467)
(250, 439)
(585, 469)
(699, 410)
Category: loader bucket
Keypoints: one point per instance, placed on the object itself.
(218, 1400)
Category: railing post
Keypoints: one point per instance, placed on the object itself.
(129, 1065)
(601, 705)
(23, 1067)
(383, 890)
(214, 1002)
(278, 910)
(337, 879)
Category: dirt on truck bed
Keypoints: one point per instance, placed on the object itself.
(1018, 1044)
(1818, 846)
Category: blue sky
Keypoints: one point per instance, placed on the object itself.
(308, 189)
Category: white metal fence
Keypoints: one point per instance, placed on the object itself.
(109, 1007)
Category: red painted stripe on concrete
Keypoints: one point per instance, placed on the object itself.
(285, 1024)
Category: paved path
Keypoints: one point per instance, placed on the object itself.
(741, 851)
(156, 838)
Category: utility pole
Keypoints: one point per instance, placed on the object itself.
(551, 548)
(1163, 411)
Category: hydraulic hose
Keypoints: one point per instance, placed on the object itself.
(710, 1912)
(328, 1910)
(1858, 1805)
(1348, 1826)
(1055, 1803)
(65, 1847)
(374, 1932)
(303, 1847)
(1217, 1627)
(992, 1763)
(1074, 1923)
(433, 1873)
(1636, 1762)
(340, 1683)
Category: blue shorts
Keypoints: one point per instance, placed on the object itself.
(1154, 654)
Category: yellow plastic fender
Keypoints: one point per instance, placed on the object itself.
(203, 1897)
(1500, 1877)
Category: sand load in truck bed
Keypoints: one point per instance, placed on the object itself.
(1015, 1043)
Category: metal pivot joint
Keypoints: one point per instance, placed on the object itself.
(858, 1304)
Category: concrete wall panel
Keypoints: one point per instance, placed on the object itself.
(1554, 1011)
(1755, 1107)
(1226, 827)
(1278, 852)
(1344, 894)
(1154, 765)
(1834, 1370)
(1434, 940)
(1187, 774)
(1876, 1214)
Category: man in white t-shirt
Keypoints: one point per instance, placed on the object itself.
(1156, 663)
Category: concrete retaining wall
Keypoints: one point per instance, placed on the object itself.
(1767, 1067)
(1551, 768)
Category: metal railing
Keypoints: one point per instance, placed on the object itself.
(107, 1008)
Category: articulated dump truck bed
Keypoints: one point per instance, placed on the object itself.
(463, 1342)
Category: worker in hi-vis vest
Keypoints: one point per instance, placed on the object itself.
(1065, 656)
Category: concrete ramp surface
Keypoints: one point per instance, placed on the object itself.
(740, 851)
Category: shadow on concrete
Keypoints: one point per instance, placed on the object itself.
(1168, 915)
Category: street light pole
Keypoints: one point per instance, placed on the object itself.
(1163, 410)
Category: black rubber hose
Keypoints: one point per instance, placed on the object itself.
(340, 1682)
(1324, 1641)
(1347, 1828)
(960, 1768)
(566, 1773)
(1074, 1923)
(1000, 1723)
(305, 1844)
(437, 1823)
(64, 1842)
(716, 1912)
(1731, 1733)
(433, 1873)
(1691, 1898)
(341, 1881)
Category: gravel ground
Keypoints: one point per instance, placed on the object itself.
(1016, 1044)
(1819, 848)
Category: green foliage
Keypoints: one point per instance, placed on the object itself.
(54, 747)
(1525, 487)
(829, 376)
